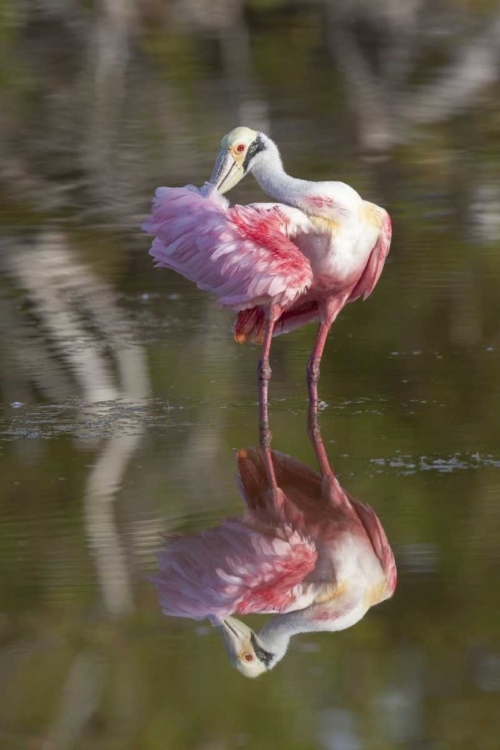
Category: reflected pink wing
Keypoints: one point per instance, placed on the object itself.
(378, 539)
(299, 487)
(233, 569)
(241, 254)
(373, 269)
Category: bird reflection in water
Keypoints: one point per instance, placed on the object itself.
(304, 550)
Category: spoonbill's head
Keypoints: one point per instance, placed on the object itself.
(245, 649)
(238, 151)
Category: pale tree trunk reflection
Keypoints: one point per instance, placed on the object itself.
(77, 319)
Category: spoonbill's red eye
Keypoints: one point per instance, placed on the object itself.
(240, 147)
(248, 657)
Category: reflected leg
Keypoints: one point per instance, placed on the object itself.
(313, 430)
(265, 435)
(314, 364)
(264, 366)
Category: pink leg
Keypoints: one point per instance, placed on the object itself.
(274, 494)
(314, 432)
(264, 367)
(314, 363)
(265, 434)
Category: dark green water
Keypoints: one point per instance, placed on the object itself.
(124, 397)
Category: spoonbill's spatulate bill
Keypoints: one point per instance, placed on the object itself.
(278, 265)
(304, 550)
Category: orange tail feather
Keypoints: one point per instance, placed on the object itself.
(250, 324)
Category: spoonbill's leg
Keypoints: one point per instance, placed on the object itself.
(275, 495)
(314, 433)
(314, 363)
(264, 366)
(265, 434)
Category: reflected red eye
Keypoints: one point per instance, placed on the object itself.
(240, 148)
(248, 657)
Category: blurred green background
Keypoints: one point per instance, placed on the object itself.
(124, 396)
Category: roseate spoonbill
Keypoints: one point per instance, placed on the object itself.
(279, 265)
(305, 550)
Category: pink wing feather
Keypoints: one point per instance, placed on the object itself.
(379, 541)
(233, 568)
(241, 254)
(373, 269)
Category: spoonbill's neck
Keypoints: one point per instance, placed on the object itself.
(269, 173)
(340, 614)
(276, 633)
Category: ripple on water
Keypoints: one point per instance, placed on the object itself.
(93, 420)
(404, 465)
